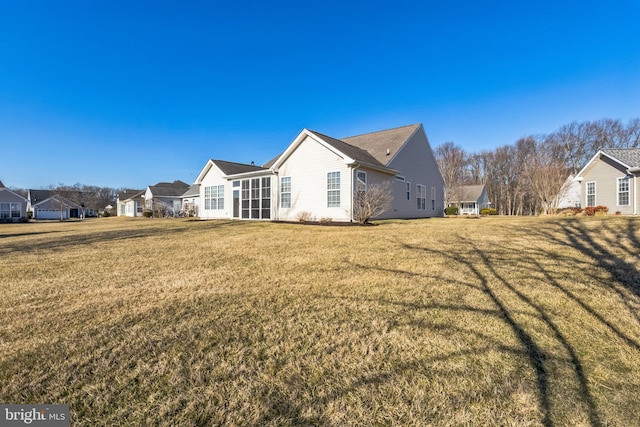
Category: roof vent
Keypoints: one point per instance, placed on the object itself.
(388, 151)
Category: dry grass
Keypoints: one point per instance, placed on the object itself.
(496, 321)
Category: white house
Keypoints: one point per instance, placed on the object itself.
(130, 203)
(191, 201)
(470, 199)
(317, 176)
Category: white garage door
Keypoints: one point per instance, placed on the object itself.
(48, 214)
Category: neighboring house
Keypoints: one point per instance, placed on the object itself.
(611, 179)
(130, 203)
(191, 201)
(470, 199)
(165, 197)
(317, 177)
(13, 206)
(571, 194)
(48, 204)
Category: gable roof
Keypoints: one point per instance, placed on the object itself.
(626, 157)
(8, 191)
(193, 191)
(232, 168)
(630, 157)
(169, 189)
(377, 143)
(58, 199)
(130, 195)
(467, 193)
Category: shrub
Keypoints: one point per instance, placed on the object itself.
(596, 210)
(304, 216)
(325, 220)
(106, 214)
(451, 210)
(488, 211)
(147, 214)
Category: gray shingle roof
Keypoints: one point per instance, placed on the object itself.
(377, 143)
(131, 195)
(628, 156)
(231, 168)
(169, 189)
(467, 193)
(193, 191)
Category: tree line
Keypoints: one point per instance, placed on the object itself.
(530, 176)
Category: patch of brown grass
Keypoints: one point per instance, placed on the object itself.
(501, 321)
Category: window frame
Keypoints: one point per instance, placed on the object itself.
(285, 192)
(587, 194)
(620, 192)
(421, 197)
(334, 188)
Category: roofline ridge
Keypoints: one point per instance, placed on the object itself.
(384, 130)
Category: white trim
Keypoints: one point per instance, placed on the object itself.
(593, 159)
(618, 190)
(586, 193)
(339, 189)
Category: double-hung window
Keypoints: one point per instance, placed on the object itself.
(623, 191)
(421, 197)
(361, 184)
(333, 189)
(591, 193)
(433, 198)
(285, 192)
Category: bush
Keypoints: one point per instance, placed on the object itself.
(451, 210)
(596, 210)
(106, 214)
(488, 211)
(147, 214)
(304, 216)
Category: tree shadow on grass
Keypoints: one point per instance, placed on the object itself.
(96, 238)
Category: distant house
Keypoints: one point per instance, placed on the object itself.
(49, 204)
(318, 177)
(13, 206)
(610, 179)
(165, 197)
(470, 199)
(571, 194)
(191, 201)
(130, 203)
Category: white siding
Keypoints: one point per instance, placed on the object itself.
(215, 177)
(308, 166)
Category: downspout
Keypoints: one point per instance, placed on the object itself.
(635, 171)
(352, 191)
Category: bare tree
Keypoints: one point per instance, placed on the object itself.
(372, 202)
(547, 174)
(452, 162)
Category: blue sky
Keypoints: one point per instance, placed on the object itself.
(129, 93)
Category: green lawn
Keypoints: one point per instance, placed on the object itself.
(492, 321)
